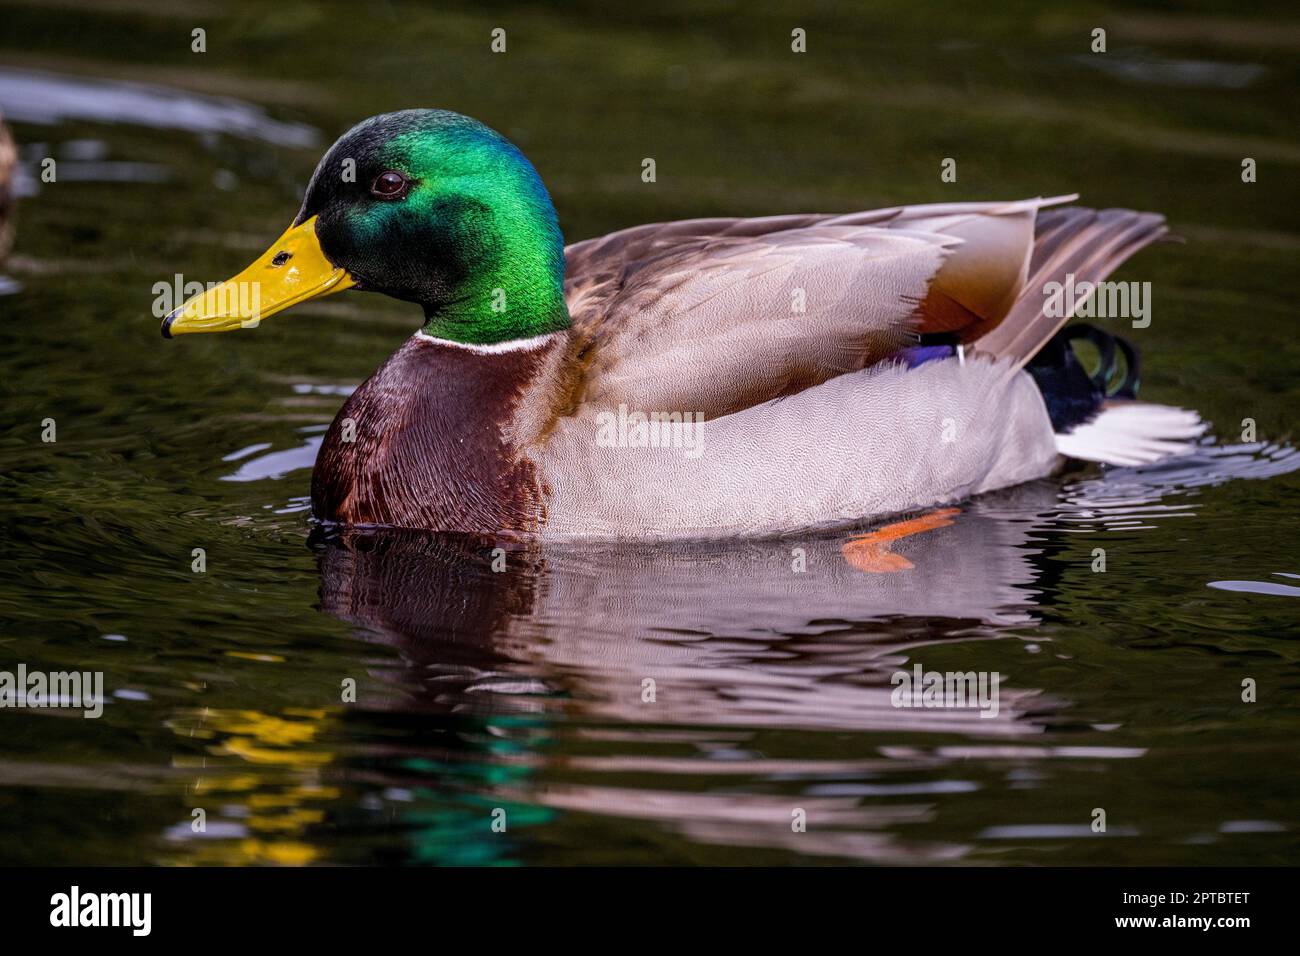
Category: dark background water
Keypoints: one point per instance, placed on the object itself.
(523, 691)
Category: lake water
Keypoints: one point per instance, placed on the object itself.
(522, 697)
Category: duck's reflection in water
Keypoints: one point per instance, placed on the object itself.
(680, 702)
(642, 702)
(786, 633)
(626, 676)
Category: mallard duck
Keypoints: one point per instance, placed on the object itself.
(710, 377)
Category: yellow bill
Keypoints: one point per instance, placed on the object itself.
(291, 271)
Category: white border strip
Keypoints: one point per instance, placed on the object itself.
(514, 345)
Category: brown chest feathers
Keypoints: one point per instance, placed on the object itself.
(433, 440)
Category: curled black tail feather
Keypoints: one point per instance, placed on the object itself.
(1072, 394)
(1133, 370)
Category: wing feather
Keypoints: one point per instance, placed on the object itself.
(717, 315)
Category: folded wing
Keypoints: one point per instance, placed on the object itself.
(718, 315)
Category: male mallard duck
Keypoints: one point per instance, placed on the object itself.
(705, 377)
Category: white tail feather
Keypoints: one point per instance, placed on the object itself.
(1133, 433)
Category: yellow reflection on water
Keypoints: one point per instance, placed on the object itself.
(260, 781)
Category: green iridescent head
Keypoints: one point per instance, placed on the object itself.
(433, 207)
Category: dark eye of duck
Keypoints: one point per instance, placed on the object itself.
(389, 185)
